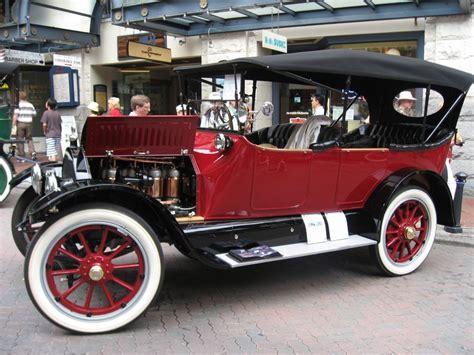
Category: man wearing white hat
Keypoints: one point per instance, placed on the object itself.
(405, 104)
(216, 116)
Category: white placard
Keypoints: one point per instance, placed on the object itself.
(337, 111)
(68, 128)
(21, 57)
(67, 61)
(229, 87)
(61, 87)
(315, 228)
(337, 224)
(274, 41)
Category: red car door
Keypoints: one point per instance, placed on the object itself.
(294, 181)
(362, 169)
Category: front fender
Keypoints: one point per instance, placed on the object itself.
(429, 181)
(156, 215)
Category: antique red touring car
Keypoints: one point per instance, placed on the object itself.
(369, 172)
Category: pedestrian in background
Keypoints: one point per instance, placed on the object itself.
(114, 107)
(94, 107)
(23, 121)
(140, 105)
(51, 120)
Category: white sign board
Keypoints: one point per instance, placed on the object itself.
(67, 61)
(338, 110)
(229, 87)
(21, 57)
(274, 41)
(68, 129)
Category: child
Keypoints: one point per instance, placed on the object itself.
(51, 120)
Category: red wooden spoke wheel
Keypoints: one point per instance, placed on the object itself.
(95, 284)
(94, 269)
(407, 232)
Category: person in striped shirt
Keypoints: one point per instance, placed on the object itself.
(23, 120)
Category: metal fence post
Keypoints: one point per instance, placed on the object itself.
(460, 182)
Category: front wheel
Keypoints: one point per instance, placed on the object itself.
(94, 269)
(407, 232)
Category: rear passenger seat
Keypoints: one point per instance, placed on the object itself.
(385, 136)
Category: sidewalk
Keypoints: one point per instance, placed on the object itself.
(466, 238)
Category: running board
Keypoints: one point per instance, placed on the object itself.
(297, 250)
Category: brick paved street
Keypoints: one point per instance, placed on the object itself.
(335, 303)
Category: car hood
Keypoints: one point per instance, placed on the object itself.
(137, 135)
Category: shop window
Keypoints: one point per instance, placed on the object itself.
(411, 102)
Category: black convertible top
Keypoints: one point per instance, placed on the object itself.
(345, 62)
(7, 68)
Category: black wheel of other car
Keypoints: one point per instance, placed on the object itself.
(94, 269)
(407, 232)
(23, 237)
(6, 175)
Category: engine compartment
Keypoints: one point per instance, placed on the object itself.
(170, 180)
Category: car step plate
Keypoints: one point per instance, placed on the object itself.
(303, 249)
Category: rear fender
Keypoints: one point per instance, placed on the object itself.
(429, 181)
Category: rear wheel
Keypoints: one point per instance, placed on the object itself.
(407, 232)
(94, 269)
(6, 175)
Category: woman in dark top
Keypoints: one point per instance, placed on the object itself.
(51, 120)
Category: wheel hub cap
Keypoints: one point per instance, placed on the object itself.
(96, 273)
(409, 233)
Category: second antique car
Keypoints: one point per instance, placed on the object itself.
(229, 196)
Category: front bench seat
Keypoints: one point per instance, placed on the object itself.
(307, 133)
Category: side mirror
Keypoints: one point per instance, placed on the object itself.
(222, 142)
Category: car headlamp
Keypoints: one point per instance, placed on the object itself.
(50, 182)
(36, 179)
(222, 142)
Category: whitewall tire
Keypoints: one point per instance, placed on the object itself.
(94, 269)
(6, 175)
(407, 232)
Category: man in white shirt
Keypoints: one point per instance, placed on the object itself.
(317, 109)
(23, 120)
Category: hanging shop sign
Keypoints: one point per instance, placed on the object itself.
(64, 86)
(148, 52)
(154, 39)
(274, 41)
(22, 57)
(67, 61)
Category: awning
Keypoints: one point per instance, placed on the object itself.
(50, 26)
(193, 17)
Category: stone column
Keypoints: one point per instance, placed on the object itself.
(450, 41)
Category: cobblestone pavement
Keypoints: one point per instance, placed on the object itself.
(334, 303)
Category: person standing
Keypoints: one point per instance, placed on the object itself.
(114, 107)
(317, 109)
(406, 103)
(23, 121)
(51, 120)
(140, 105)
(94, 107)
